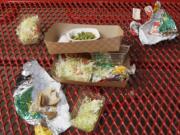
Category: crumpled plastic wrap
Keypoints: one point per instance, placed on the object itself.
(113, 73)
(40, 80)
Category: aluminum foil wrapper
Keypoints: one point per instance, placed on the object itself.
(40, 80)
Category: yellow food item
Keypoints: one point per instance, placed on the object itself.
(40, 130)
(119, 70)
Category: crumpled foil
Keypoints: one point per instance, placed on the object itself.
(40, 80)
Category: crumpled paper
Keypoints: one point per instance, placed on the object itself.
(144, 31)
(159, 27)
(40, 80)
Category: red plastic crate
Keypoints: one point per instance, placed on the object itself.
(149, 105)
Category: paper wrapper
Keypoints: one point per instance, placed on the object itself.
(160, 27)
(147, 38)
(40, 80)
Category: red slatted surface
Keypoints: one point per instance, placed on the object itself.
(149, 105)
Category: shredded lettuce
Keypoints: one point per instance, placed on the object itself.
(74, 69)
(27, 30)
(88, 114)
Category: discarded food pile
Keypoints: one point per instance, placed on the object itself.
(99, 68)
(28, 30)
(86, 55)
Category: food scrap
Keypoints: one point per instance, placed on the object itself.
(75, 69)
(83, 36)
(101, 67)
(88, 114)
(41, 130)
(28, 31)
(79, 34)
(119, 70)
(46, 103)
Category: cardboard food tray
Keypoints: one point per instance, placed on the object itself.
(110, 40)
(92, 95)
(104, 83)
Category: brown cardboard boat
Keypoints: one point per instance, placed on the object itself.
(110, 40)
(105, 83)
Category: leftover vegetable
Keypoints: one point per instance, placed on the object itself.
(28, 30)
(119, 70)
(90, 70)
(46, 103)
(76, 69)
(41, 130)
(83, 36)
(88, 114)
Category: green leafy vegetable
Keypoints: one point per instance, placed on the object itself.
(83, 36)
